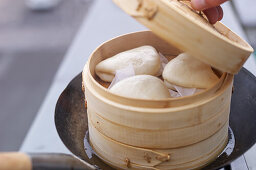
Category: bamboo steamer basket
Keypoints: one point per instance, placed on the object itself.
(174, 133)
(174, 126)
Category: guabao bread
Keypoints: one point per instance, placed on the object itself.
(141, 87)
(144, 59)
(187, 71)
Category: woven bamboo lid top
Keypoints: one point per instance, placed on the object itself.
(178, 24)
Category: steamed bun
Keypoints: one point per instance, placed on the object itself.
(144, 59)
(141, 87)
(187, 71)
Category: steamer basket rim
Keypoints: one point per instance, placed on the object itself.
(88, 64)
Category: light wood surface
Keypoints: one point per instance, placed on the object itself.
(163, 138)
(196, 155)
(15, 161)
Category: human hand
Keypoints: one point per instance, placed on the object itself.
(211, 9)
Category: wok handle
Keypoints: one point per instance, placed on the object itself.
(42, 161)
(53, 161)
(15, 160)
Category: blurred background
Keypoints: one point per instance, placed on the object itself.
(34, 37)
(246, 13)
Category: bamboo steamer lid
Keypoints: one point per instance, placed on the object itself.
(177, 23)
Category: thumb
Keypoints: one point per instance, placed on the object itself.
(205, 4)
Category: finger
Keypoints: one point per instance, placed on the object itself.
(212, 15)
(205, 4)
(220, 12)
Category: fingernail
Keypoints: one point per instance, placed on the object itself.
(220, 13)
(199, 4)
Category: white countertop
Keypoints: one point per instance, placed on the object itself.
(104, 22)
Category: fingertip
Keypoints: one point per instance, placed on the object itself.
(198, 4)
(201, 5)
(212, 15)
